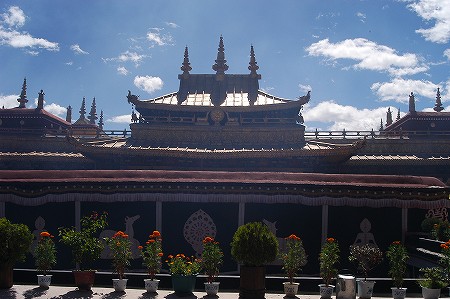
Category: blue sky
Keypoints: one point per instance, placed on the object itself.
(357, 57)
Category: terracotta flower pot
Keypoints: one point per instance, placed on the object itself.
(84, 280)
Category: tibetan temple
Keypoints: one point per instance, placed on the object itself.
(218, 153)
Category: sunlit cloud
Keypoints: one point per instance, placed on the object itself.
(361, 16)
(56, 110)
(122, 71)
(172, 25)
(8, 101)
(148, 83)
(121, 119)
(128, 56)
(399, 89)
(336, 117)
(14, 18)
(433, 11)
(369, 56)
(159, 39)
(77, 50)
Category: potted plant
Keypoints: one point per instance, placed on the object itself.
(120, 247)
(397, 256)
(45, 258)
(151, 259)
(328, 259)
(212, 259)
(366, 257)
(293, 260)
(253, 246)
(445, 260)
(433, 280)
(15, 241)
(183, 271)
(86, 247)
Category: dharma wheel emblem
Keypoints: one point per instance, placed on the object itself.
(217, 115)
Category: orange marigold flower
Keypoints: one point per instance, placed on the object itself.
(330, 240)
(124, 236)
(396, 243)
(160, 254)
(293, 237)
(151, 241)
(444, 246)
(170, 256)
(140, 247)
(45, 234)
(208, 240)
(156, 233)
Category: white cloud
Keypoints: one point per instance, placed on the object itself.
(56, 110)
(336, 117)
(15, 17)
(172, 25)
(370, 56)
(122, 71)
(159, 39)
(11, 37)
(447, 53)
(126, 57)
(399, 89)
(361, 16)
(305, 88)
(69, 63)
(9, 101)
(120, 119)
(77, 50)
(437, 11)
(148, 83)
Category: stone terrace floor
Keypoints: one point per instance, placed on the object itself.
(65, 292)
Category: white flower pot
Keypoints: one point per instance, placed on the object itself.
(325, 291)
(212, 288)
(119, 284)
(430, 293)
(290, 289)
(151, 286)
(365, 289)
(398, 293)
(44, 281)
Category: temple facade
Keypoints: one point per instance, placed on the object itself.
(220, 152)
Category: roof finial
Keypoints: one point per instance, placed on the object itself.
(389, 117)
(40, 104)
(381, 125)
(83, 109)
(221, 64)
(100, 122)
(412, 103)
(69, 114)
(438, 106)
(23, 95)
(186, 67)
(93, 113)
(398, 114)
(253, 66)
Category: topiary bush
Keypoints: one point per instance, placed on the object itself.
(15, 241)
(254, 244)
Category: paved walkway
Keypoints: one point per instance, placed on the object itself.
(60, 292)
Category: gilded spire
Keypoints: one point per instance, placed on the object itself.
(221, 64)
(253, 66)
(93, 113)
(100, 122)
(83, 108)
(23, 95)
(186, 67)
(438, 106)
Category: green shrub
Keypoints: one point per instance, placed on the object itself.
(15, 241)
(254, 244)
